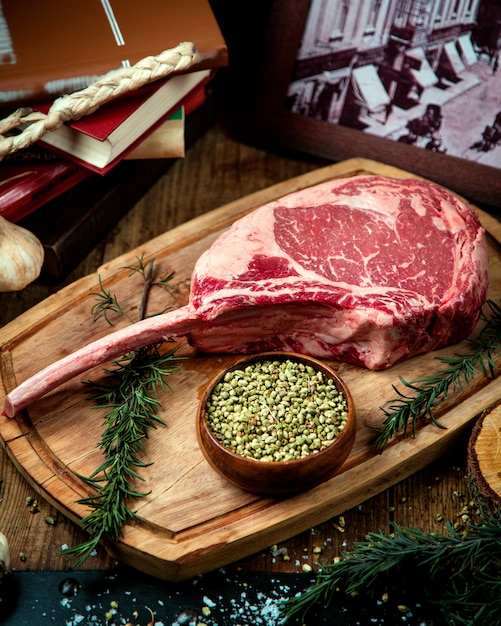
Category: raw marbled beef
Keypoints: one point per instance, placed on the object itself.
(368, 270)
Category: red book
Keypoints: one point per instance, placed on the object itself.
(25, 188)
(101, 140)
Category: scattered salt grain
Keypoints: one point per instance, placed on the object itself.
(251, 608)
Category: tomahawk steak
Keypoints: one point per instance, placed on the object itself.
(368, 270)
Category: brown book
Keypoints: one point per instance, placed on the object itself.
(55, 47)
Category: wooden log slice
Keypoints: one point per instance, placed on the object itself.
(484, 462)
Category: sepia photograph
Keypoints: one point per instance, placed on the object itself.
(420, 72)
(412, 83)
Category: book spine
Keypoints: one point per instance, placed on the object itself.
(33, 155)
(25, 188)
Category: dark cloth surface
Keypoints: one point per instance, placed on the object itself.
(216, 599)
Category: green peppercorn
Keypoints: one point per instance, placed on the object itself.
(285, 410)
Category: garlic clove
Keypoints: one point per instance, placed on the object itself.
(4, 555)
(21, 256)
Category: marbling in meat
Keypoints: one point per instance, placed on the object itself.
(368, 270)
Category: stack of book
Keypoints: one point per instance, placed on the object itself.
(72, 186)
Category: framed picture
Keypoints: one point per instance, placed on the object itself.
(410, 83)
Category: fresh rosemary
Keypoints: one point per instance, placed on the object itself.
(129, 393)
(427, 393)
(106, 302)
(461, 572)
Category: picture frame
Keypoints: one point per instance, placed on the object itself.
(275, 125)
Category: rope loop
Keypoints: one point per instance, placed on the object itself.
(84, 102)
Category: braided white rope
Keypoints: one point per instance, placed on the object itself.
(84, 102)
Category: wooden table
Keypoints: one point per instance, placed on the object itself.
(217, 169)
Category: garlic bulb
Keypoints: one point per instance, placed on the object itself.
(4, 555)
(21, 256)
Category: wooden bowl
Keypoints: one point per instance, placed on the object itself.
(277, 477)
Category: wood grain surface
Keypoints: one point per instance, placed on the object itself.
(217, 170)
(194, 520)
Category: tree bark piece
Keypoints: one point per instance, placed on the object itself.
(484, 461)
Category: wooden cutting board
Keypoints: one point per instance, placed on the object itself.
(195, 521)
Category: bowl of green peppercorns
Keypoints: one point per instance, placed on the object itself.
(277, 423)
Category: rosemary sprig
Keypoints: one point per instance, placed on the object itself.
(461, 571)
(129, 393)
(146, 271)
(403, 412)
(107, 302)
